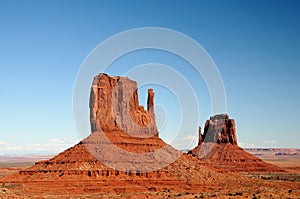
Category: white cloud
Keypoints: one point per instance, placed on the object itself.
(240, 144)
(3, 143)
(189, 138)
(186, 142)
(54, 145)
(270, 141)
(169, 141)
(243, 145)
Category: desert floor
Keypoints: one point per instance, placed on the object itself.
(291, 181)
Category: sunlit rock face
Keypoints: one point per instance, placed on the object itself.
(219, 129)
(114, 106)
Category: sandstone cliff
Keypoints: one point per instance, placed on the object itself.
(114, 106)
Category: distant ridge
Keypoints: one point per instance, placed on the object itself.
(25, 157)
(273, 151)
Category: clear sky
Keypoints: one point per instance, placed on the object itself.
(255, 45)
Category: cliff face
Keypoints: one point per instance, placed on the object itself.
(114, 106)
(219, 129)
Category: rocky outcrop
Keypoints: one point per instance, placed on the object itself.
(114, 106)
(200, 137)
(219, 129)
(218, 146)
(124, 134)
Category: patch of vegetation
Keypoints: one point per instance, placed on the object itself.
(15, 164)
(285, 177)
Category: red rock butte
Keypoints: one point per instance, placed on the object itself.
(114, 106)
(124, 153)
(218, 147)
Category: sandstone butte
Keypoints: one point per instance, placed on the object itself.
(124, 157)
(218, 147)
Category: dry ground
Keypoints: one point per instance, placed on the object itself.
(290, 163)
(290, 189)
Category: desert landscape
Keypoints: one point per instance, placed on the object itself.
(124, 157)
(149, 99)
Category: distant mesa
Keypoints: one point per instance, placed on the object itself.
(218, 147)
(218, 129)
(273, 151)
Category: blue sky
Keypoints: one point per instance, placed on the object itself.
(255, 45)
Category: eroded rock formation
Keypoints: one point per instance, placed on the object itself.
(114, 106)
(218, 147)
(219, 129)
(111, 160)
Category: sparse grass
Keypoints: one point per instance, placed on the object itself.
(275, 176)
(283, 160)
(15, 164)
